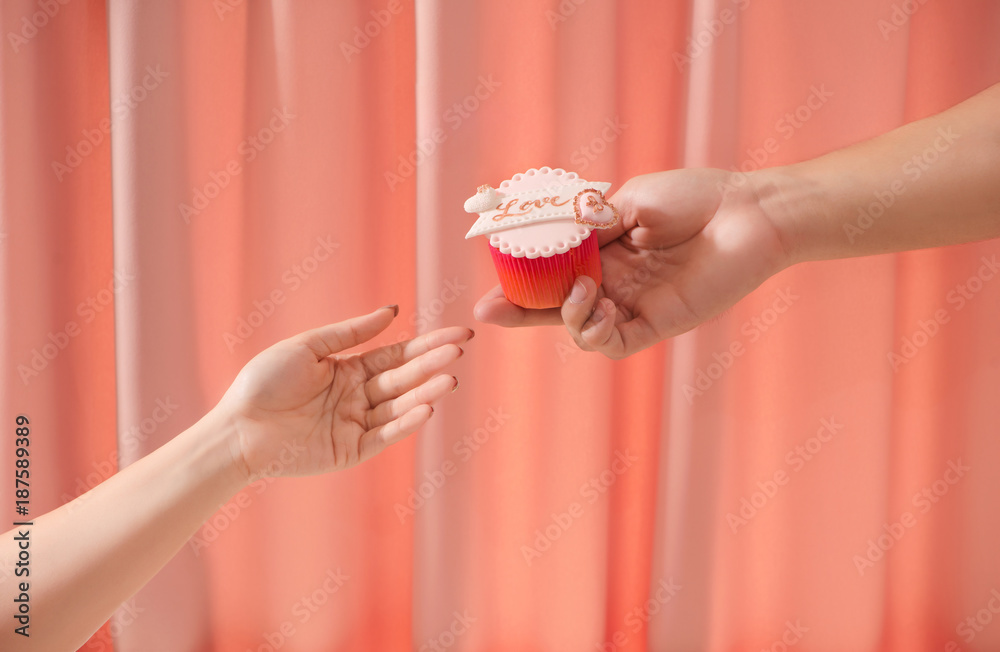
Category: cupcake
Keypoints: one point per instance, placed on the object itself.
(540, 226)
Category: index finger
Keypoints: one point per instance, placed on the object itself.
(494, 308)
(333, 338)
(621, 204)
(392, 355)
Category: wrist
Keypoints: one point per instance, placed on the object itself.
(216, 443)
(789, 199)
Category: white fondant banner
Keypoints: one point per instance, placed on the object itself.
(540, 205)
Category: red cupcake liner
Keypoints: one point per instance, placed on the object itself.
(545, 282)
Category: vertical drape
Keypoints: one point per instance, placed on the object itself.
(186, 183)
(56, 275)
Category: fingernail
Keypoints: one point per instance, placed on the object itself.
(461, 352)
(455, 388)
(395, 309)
(473, 334)
(597, 316)
(579, 292)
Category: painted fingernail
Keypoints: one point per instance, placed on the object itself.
(395, 309)
(579, 292)
(455, 388)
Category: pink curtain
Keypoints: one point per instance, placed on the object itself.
(184, 183)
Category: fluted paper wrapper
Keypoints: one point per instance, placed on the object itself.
(545, 282)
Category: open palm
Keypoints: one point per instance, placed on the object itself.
(684, 251)
(300, 408)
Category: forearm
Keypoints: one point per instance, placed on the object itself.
(931, 183)
(90, 555)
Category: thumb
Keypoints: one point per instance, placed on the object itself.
(333, 338)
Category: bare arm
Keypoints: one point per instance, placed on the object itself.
(930, 183)
(90, 555)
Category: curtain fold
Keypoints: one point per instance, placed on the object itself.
(183, 184)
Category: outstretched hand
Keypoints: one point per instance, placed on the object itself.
(684, 250)
(300, 407)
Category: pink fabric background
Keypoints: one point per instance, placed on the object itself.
(547, 89)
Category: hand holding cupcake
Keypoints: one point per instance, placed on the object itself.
(684, 249)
